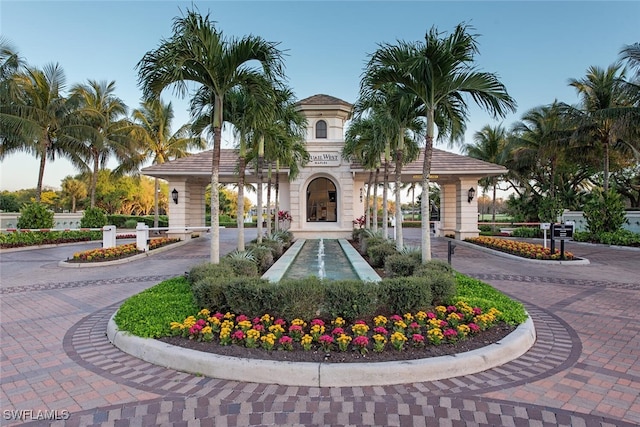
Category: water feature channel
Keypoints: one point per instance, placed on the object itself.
(322, 258)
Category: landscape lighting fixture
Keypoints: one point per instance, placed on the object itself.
(360, 194)
(470, 194)
(174, 196)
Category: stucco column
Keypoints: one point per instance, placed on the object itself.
(467, 211)
(448, 209)
(178, 211)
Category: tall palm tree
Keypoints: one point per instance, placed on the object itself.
(157, 143)
(105, 114)
(74, 189)
(440, 72)
(365, 143)
(490, 145)
(198, 52)
(40, 120)
(608, 116)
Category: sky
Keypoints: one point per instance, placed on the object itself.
(534, 47)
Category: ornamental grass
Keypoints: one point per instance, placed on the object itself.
(522, 249)
(118, 252)
(444, 324)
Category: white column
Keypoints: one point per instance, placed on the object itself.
(467, 211)
(448, 209)
(178, 211)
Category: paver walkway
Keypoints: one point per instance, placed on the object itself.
(56, 361)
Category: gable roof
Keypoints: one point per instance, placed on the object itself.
(443, 164)
(322, 99)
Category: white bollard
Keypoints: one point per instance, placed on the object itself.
(109, 236)
(142, 237)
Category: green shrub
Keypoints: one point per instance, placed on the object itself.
(209, 270)
(350, 299)
(477, 293)
(527, 232)
(208, 292)
(378, 253)
(264, 256)
(35, 215)
(433, 265)
(276, 245)
(93, 218)
(251, 296)
(130, 223)
(485, 228)
(441, 282)
(150, 313)
(300, 298)
(604, 212)
(400, 265)
(405, 294)
(243, 267)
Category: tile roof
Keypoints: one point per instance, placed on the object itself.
(322, 99)
(443, 163)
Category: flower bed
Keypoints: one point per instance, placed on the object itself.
(522, 249)
(443, 325)
(118, 252)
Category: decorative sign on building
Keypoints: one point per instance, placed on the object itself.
(329, 158)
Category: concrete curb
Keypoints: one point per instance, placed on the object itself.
(307, 374)
(123, 260)
(579, 261)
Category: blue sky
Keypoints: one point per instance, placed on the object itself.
(535, 47)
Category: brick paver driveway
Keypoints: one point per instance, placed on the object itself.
(57, 363)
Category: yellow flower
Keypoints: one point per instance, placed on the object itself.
(421, 315)
(177, 325)
(228, 315)
(253, 334)
(344, 338)
(244, 325)
(207, 330)
(299, 322)
(204, 312)
(269, 338)
(360, 329)
(225, 333)
(338, 322)
(398, 336)
(379, 338)
(408, 317)
(441, 309)
(380, 320)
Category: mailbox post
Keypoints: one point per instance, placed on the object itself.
(562, 232)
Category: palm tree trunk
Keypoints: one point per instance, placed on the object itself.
(385, 200)
(277, 191)
(94, 177)
(493, 204)
(215, 180)
(260, 180)
(399, 238)
(367, 201)
(156, 215)
(374, 227)
(269, 200)
(605, 185)
(425, 208)
(43, 161)
(240, 207)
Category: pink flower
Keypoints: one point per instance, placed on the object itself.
(450, 333)
(473, 327)
(417, 338)
(380, 330)
(337, 331)
(477, 311)
(431, 315)
(280, 322)
(219, 316)
(256, 320)
(395, 318)
(452, 308)
(443, 324)
(360, 341)
(258, 327)
(318, 322)
(284, 340)
(238, 335)
(295, 328)
(325, 339)
(241, 318)
(201, 322)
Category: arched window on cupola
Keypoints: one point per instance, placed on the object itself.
(321, 129)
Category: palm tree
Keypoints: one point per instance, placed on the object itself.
(608, 116)
(198, 52)
(74, 189)
(38, 119)
(153, 121)
(105, 114)
(490, 145)
(439, 72)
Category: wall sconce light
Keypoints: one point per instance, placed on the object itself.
(174, 196)
(360, 194)
(470, 194)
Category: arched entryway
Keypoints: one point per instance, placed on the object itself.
(322, 201)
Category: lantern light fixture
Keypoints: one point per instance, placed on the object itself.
(471, 194)
(174, 196)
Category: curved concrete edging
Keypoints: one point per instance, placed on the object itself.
(308, 374)
(579, 261)
(122, 260)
